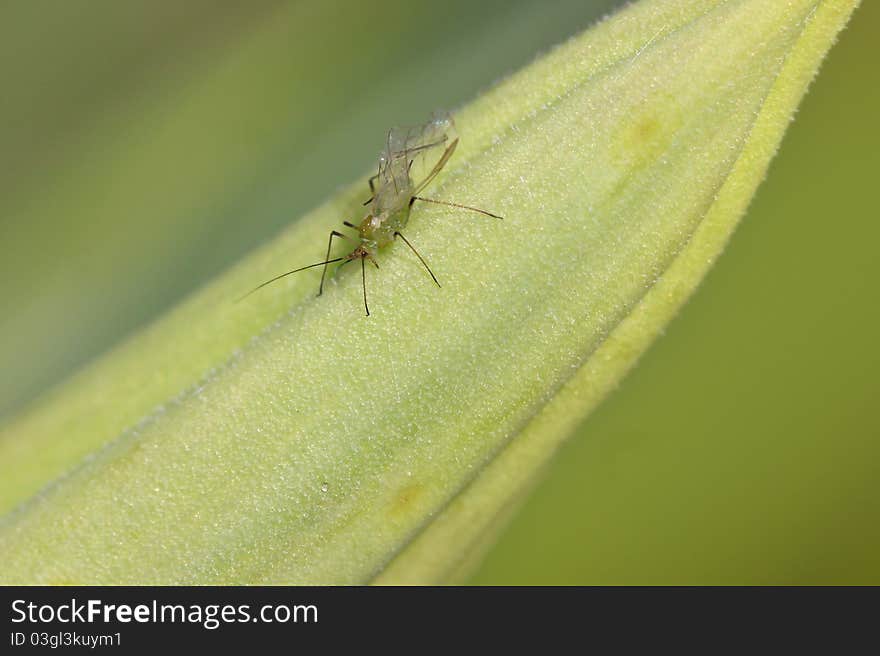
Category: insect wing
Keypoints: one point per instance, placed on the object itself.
(437, 167)
(412, 153)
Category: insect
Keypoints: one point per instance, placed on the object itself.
(411, 159)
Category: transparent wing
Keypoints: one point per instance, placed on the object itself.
(412, 153)
(437, 167)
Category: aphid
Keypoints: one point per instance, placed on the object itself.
(411, 159)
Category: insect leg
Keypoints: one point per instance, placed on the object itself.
(372, 183)
(333, 233)
(421, 259)
(364, 279)
(458, 205)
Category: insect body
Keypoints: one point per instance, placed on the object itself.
(410, 161)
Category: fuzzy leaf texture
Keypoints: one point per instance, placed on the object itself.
(289, 439)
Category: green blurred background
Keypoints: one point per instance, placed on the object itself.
(145, 146)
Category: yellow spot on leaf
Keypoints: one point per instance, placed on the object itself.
(405, 500)
(644, 136)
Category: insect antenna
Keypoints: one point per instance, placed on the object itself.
(458, 205)
(317, 264)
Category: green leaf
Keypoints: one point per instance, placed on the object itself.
(290, 440)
